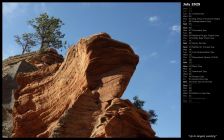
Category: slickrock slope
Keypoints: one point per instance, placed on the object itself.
(22, 63)
(81, 99)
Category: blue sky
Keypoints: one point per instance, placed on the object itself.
(152, 30)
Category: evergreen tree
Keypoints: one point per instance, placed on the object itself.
(152, 116)
(48, 31)
(26, 41)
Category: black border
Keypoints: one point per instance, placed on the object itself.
(130, 1)
(114, 1)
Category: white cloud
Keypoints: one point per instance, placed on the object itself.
(153, 54)
(173, 61)
(9, 8)
(153, 19)
(175, 28)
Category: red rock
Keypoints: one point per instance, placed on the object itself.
(14, 65)
(121, 120)
(82, 98)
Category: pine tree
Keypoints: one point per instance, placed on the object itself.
(26, 41)
(48, 31)
(138, 103)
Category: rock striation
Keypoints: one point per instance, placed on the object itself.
(15, 65)
(81, 97)
(37, 59)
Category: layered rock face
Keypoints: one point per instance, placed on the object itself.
(81, 98)
(12, 66)
(37, 59)
(25, 63)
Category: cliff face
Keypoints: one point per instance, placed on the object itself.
(21, 64)
(81, 97)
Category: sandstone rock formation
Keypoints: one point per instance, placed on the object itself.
(38, 59)
(11, 68)
(82, 97)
